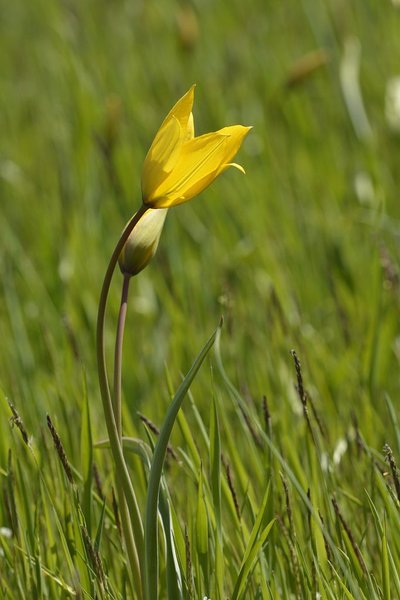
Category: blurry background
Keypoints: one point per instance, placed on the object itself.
(302, 252)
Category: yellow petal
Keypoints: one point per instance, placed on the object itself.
(236, 133)
(195, 189)
(200, 162)
(236, 165)
(189, 128)
(198, 158)
(162, 157)
(164, 151)
(142, 242)
(201, 184)
(181, 112)
(182, 109)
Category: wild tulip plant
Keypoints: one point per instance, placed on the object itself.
(178, 166)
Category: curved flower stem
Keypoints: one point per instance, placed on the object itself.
(117, 408)
(119, 340)
(121, 471)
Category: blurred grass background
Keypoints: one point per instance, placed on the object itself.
(300, 253)
(291, 254)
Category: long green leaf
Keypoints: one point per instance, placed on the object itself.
(250, 557)
(151, 549)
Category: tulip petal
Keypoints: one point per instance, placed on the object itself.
(181, 112)
(236, 165)
(162, 156)
(182, 109)
(198, 158)
(200, 161)
(236, 133)
(177, 127)
(189, 128)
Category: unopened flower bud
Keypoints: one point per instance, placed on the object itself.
(142, 243)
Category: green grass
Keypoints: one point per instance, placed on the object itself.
(287, 498)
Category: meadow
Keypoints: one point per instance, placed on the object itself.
(280, 480)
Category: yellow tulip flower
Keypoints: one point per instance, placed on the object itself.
(177, 167)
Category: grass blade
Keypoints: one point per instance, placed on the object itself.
(151, 549)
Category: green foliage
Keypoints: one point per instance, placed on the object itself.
(277, 482)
